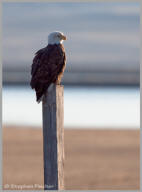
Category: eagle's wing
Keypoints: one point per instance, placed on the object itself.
(47, 65)
(36, 61)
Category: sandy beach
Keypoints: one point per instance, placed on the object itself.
(94, 159)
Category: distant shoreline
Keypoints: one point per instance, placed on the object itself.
(80, 78)
(76, 84)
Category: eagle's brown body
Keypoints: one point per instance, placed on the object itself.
(48, 67)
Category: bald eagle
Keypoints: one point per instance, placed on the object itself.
(48, 65)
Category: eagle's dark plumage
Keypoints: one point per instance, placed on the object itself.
(48, 67)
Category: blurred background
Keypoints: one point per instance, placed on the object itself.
(102, 74)
(101, 80)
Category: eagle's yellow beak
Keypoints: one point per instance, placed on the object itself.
(64, 37)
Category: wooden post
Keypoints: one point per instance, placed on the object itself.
(53, 138)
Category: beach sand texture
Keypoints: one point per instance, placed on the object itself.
(94, 159)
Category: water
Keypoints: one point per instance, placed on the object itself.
(84, 107)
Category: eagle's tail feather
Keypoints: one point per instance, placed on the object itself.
(40, 99)
(40, 93)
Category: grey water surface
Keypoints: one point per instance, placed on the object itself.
(84, 107)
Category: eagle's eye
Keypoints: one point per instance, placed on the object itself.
(58, 35)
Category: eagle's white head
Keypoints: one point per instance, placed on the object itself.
(56, 38)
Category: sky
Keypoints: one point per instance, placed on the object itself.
(101, 36)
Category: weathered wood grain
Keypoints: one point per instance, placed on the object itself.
(53, 138)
